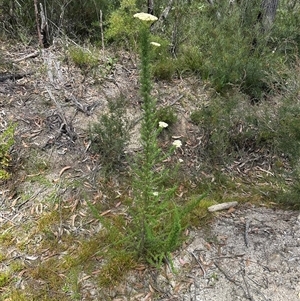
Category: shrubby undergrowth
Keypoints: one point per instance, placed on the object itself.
(110, 135)
(6, 142)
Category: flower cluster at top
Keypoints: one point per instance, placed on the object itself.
(145, 17)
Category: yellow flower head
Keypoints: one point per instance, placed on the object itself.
(145, 17)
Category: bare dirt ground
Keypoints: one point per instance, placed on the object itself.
(251, 253)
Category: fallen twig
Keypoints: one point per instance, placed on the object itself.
(4, 77)
(246, 233)
(28, 56)
(174, 101)
(64, 169)
(201, 267)
(246, 285)
(225, 274)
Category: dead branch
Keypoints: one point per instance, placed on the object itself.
(4, 77)
(222, 206)
(150, 6)
(44, 28)
(66, 126)
(175, 100)
(86, 109)
(162, 17)
(246, 285)
(29, 56)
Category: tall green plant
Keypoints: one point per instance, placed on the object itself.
(157, 219)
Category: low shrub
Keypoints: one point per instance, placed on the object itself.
(288, 134)
(167, 115)
(232, 129)
(6, 142)
(110, 134)
(164, 69)
(82, 58)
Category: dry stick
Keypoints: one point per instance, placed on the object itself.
(265, 286)
(79, 106)
(202, 268)
(150, 5)
(8, 220)
(246, 285)
(258, 291)
(230, 279)
(229, 256)
(31, 55)
(68, 128)
(225, 274)
(174, 101)
(31, 198)
(246, 233)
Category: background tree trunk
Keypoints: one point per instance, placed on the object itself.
(269, 8)
(37, 20)
(150, 6)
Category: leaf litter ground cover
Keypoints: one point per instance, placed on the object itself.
(248, 254)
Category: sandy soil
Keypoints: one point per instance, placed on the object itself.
(252, 253)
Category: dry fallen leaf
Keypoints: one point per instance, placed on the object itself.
(230, 210)
(105, 212)
(63, 170)
(148, 297)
